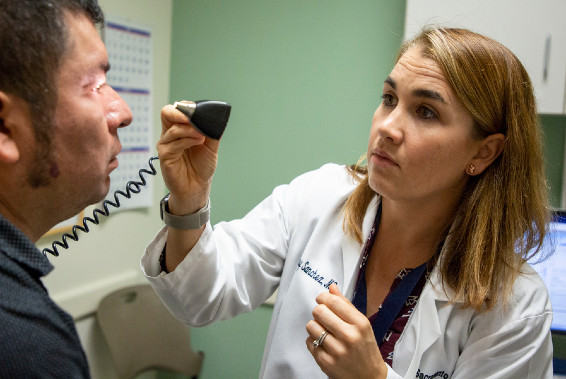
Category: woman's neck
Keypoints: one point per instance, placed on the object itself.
(411, 233)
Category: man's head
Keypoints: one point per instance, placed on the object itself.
(58, 117)
(33, 39)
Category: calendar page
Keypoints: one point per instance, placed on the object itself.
(130, 56)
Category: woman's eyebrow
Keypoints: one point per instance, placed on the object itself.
(430, 94)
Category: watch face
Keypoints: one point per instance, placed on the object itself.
(164, 206)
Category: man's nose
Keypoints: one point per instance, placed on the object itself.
(118, 114)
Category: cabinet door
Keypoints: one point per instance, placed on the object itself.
(551, 90)
(531, 29)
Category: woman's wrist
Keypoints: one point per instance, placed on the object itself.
(187, 205)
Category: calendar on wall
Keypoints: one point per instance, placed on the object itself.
(130, 55)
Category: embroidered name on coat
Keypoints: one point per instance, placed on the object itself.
(438, 374)
(313, 274)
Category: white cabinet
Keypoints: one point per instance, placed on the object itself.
(533, 29)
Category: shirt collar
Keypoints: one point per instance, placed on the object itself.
(18, 247)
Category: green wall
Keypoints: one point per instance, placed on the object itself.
(554, 127)
(303, 78)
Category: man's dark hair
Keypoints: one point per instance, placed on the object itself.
(33, 40)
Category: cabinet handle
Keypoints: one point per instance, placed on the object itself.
(546, 57)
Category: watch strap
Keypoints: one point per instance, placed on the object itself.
(185, 222)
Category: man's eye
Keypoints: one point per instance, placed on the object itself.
(97, 88)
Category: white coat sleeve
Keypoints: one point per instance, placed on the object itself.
(231, 270)
(235, 266)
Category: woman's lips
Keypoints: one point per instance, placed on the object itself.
(382, 158)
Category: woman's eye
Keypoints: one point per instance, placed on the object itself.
(425, 112)
(387, 99)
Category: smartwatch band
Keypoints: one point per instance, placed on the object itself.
(185, 222)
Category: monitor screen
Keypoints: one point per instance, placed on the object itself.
(553, 270)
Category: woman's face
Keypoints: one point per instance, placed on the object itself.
(421, 137)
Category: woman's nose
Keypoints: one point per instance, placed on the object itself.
(390, 126)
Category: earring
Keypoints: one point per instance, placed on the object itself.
(471, 169)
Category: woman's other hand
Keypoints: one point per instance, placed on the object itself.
(349, 349)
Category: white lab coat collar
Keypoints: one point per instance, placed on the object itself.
(425, 325)
(351, 249)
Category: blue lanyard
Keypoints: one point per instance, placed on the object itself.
(394, 301)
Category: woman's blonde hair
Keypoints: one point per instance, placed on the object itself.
(502, 218)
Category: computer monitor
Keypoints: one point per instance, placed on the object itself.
(553, 270)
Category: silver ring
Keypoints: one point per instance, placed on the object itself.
(318, 342)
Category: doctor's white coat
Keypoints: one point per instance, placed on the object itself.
(294, 241)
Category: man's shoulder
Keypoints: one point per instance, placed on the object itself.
(42, 337)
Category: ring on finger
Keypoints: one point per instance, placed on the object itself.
(318, 342)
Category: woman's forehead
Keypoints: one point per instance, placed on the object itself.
(420, 74)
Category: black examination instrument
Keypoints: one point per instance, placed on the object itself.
(209, 117)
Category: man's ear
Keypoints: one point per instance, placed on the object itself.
(14, 119)
(490, 148)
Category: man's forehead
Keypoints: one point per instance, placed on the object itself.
(85, 50)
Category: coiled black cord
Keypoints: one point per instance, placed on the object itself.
(131, 187)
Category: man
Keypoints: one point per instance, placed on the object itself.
(58, 145)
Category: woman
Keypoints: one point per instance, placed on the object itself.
(413, 266)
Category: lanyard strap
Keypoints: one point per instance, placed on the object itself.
(394, 302)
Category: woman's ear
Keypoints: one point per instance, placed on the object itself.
(14, 118)
(489, 149)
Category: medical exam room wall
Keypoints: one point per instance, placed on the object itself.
(303, 78)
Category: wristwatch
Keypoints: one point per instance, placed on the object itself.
(185, 222)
